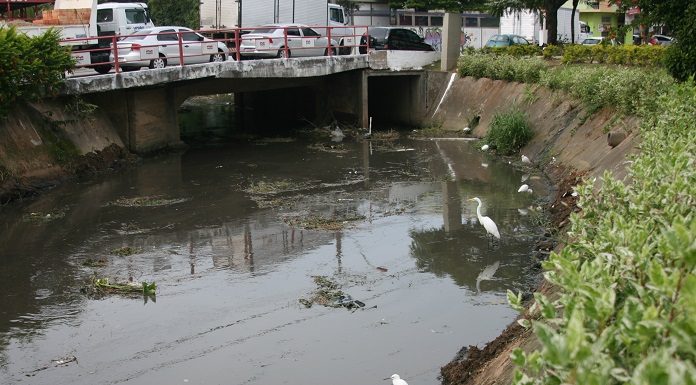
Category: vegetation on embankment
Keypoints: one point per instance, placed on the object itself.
(30, 67)
(626, 278)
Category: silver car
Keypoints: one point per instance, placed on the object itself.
(272, 40)
(159, 47)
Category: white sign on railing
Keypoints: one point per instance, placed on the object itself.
(209, 48)
(350, 40)
(308, 42)
(149, 53)
(261, 44)
(82, 58)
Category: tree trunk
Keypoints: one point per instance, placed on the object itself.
(551, 8)
(572, 21)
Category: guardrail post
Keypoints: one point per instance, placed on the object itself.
(117, 68)
(237, 43)
(285, 36)
(328, 36)
(181, 49)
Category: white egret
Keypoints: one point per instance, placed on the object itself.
(484, 165)
(396, 380)
(526, 160)
(484, 147)
(467, 129)
(525, 177)
(574, 194)
(523, 188)
(487, 223)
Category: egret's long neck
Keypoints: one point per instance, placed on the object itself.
(478, 211)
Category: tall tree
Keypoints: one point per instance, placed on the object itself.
(184, 13)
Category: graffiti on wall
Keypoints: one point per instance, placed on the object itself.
(433, 36)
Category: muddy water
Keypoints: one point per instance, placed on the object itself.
(231, 263)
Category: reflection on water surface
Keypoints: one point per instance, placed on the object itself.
(223, 232)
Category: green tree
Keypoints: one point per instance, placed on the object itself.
(680, 17)
(175, 12)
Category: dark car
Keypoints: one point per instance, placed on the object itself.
(506, 41)
(394, 38)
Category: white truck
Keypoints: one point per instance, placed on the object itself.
(84, 20)
(314, 13)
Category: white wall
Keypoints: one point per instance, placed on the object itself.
(524, 23)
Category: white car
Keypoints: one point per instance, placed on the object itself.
(159, 47)
(270, 41)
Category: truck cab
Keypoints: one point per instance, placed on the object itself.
(122, 18)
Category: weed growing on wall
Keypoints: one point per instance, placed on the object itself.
(627, 277)
(509, 131)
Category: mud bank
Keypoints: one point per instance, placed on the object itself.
(42, 144)
(570, 144)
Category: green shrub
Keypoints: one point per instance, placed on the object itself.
(30, 68)
(627, 303)
(641, 55)
(503, 67)
(551, 51)
(509, 131)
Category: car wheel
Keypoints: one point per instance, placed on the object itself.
(283, 53)
(342, 50)
(217, 58)
(160, 62)
(103, 69)
(333, 51)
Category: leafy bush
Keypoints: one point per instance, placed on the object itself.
(503, 67)
(514, 50)
(639, 55)
(627, 303)
(552, 50)
(30, 68)
(509, 131)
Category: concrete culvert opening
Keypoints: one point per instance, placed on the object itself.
(393, 101)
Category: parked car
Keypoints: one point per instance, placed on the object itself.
(393, 38)
(661, 40)
(506, 41)
(158, 47)
(592, 40)
(270, 41)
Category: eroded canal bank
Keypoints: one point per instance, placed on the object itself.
(240, 263)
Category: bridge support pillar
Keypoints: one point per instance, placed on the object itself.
(146, 119)
(451, 35)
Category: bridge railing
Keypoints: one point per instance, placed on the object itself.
(170, 47)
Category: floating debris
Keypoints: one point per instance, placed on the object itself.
(320, 223)
(385, 135)
(333, 148)
(125, 251)
(102, 286)
(89, 262)
(328, 294)
(38, 217)
(147, 201)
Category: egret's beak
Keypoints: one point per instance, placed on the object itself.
(470, 199)
(388, 378)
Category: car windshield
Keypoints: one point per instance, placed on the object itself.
(141, 35)
(379, 33)
(500, 38)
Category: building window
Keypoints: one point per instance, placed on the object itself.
(490, 22)
(436, 21)
(405, 20)
(471, 21)
(606, 19)
(422, 20)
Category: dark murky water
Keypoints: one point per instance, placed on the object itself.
(230, 273)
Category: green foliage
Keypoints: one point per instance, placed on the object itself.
(509, 131)
(642, 55)
(175, 12)
(503, 67)
(551, 51)
(627, 303)
(30, 68)
(515, 50)
(629, 90)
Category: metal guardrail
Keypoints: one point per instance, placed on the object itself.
(282, 41)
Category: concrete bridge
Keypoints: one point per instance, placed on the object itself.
(142, 105)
